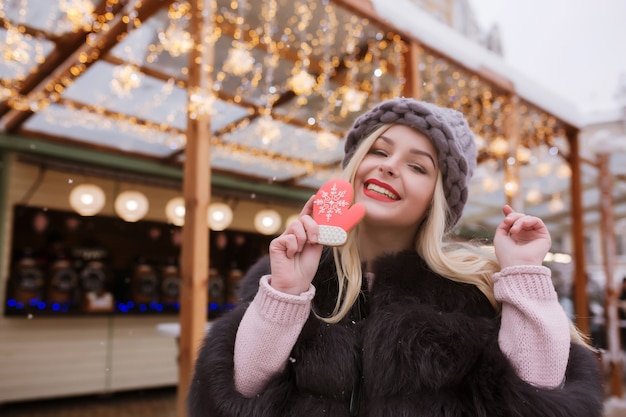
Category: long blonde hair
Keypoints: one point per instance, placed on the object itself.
(465, 262)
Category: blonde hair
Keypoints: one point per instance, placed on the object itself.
(464, 262)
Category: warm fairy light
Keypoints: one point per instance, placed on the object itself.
(489, 184)
(499, 146)
(556, 205)
(5, 93)
(268, 129)
(352, 100)
(125, 79)
(176, 39)
(78, 12)
(564, 171)
(511, 187)
(15, 47)
(326, 141)
(562, 258)
(302, 83)
(523, 154)
(544, 169)
(201, 103)
(239, 61)
(533, 196)
(329, 47)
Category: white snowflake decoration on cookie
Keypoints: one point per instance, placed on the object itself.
(331, 202)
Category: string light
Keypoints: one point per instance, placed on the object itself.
(125, 79)
(302, 83)
(201, 102)
(268, 130)
(176, 39)
(326, 140)
(239, 60)
(444, 82)
(374, 69)
(533, 196)
(353, 100)
(78, 12)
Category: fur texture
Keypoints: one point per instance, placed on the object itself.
(428, 347)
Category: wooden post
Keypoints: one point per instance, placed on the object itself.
(511, 171)
(613, 286)
(412, 61)
(196, 192)
(581, 300)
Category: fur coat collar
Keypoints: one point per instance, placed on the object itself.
(417, 344)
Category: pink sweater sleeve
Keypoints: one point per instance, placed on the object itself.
(535, 329)
(267, 333)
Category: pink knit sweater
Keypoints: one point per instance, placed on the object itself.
(534, 333)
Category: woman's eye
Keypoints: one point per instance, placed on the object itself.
(418, 168)
(379, 152)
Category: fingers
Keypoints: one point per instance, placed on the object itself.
(307, 210)
(507, 209)
(304, 229)
(515, 222)
(300, 232)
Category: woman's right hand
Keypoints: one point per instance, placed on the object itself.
(295, 254)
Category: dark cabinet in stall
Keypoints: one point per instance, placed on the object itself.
(64, 264)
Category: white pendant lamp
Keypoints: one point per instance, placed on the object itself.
(131, 205)
(175, 211)
(220, 216)
(87, 199)
(267, 221)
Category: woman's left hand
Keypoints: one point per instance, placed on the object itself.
(521, 239)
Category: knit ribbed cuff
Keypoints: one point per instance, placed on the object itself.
(524, 281)
(282, 308)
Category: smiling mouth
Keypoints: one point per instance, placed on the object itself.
(381, 191)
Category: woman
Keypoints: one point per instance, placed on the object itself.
(399, 322)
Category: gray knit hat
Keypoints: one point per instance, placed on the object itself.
(446, 129)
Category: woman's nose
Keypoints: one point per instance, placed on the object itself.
(388, 169)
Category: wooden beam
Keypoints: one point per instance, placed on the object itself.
(100, 44)
(65, 46)
(365, 8)
(581, 300)
(496, 79)
(413, 76)
(512, 171)
(361, 7)
(196, 192)
(613, 285)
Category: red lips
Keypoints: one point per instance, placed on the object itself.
(379, 190)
